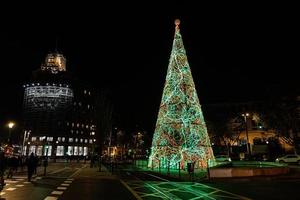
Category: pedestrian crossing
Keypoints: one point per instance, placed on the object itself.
(19, 182)
(60, 190)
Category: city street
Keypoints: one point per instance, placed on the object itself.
(79, 181)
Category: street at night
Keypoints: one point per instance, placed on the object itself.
(82, 182)
(136, 102)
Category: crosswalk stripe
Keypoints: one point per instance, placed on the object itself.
(68, 181)
(19, 185)
(65, 184)
(57, 192)
(61, 188)
(10, 189)
(50, 198)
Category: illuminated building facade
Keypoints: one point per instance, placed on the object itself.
(58, 112)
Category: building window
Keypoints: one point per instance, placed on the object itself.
(70, 139)
(89, 93)
(49, 139)
(84, 91)
(85, 151)
(87, 126)
(72, 124)
(77, 125)
(31, 150)
(76, 139)
(79, 103)
(68, 123)
(60, 151)
(75, 150)
(39, 151)
(77, 131)
(88, 106)
(92, 133)
(33, 139)
(82, 125)
(63, 139)
(70, 150)
(80, 151)
(59, 139)
(91, 141)
(81, 140)
(81, 132)
(85, 141)
(47, 150)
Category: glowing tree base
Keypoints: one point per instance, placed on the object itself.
(180, 135)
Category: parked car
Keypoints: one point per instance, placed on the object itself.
(223, 158)
(290, 158)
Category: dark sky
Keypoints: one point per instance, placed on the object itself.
(236, 52)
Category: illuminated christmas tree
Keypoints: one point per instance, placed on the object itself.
(180, 135)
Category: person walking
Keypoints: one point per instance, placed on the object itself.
(2, 169)
(30, 166)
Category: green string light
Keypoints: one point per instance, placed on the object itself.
(180, 135)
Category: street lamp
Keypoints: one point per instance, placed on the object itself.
(10, 126)
(26, 135)
(246, 115)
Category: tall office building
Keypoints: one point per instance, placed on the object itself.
(58, 110)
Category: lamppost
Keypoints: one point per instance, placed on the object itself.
(26, 135)
(246, 115)
(10, 126)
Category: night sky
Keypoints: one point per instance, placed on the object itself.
(234, 54)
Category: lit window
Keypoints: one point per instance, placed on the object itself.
(78, 125)
(59, 139)
(72, 124)
(80, 151)
(81, 132)
(31, 149)
(76, 139)
(81, 140)
(87, 126)
(82, 125)
(33, 139)
(68, 124)
(85, 151)
(89, 93)
(77, 131)
(75, 150)
(91, 141)
(93, 133)
(70, 150)
(63, 139)
(47, 150)
(85, 141)
(70, 139)
(72, 131)
(49, 139)
(39, 151)
(60, 151)
(84, 91)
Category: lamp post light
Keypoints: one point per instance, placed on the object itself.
(26, 135)
(246, 115)
(10, 126)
